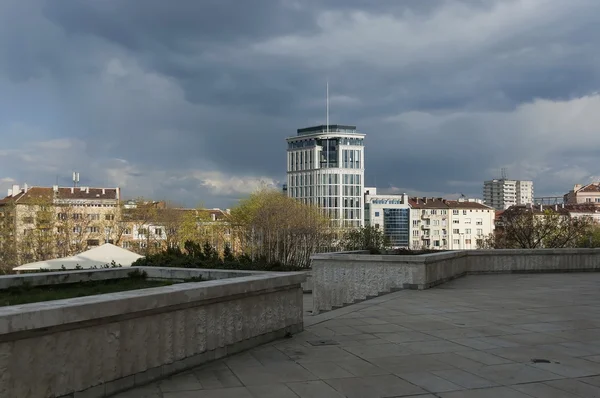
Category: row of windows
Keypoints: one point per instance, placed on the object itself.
(351, 159)
(300, 160)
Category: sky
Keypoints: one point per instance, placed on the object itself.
(191, 101)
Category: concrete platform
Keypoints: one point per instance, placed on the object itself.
(492, 336)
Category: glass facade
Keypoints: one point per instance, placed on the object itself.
(396, 226)
(325, 168)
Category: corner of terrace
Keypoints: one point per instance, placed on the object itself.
(498, 323)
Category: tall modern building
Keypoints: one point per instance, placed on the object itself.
(325, 167)
(501, 194)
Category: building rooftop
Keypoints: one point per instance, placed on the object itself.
(517, 336)
(441, 203)
(333, 128)
(35, 194)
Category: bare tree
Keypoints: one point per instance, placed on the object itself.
(530, 228)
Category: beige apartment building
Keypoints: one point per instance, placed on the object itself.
(584, 194)
(441, 224)
(40, 223)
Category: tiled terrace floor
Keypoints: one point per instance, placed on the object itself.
(473, 337)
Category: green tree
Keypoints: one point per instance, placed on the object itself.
(365, 238)
(279, 229)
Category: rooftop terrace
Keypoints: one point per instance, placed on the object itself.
(493, 336)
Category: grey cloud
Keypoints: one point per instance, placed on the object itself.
(187, 89)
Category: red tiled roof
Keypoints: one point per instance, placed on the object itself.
(593, 187)
(46, 193)
(440, 203)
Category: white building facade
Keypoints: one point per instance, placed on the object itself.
(325, 167)
(502, 193)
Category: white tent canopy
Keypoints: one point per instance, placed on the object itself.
(97, 257)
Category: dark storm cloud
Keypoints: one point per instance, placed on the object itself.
(191, 99)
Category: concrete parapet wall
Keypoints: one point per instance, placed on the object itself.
(98, 345)
(341, 279)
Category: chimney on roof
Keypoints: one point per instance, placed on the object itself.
(16, 190)
(72, 190)
(25, 187)
(541, 208)
(9, 192)
(103, 191)
(55, 188)
(555, 207)
(87, 189)
(562, 205)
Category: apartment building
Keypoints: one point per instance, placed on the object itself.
(325, 167)
(41, 223)
(584, 194)
(503, 193)
(443, 224)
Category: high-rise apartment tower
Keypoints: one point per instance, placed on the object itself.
(501, 194)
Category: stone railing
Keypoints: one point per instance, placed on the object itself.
(99, 345)
(341, 279)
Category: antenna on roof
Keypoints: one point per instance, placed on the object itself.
(75, 179)
(327, 106)
(503, 173)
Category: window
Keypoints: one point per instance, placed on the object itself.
(93, 242)
(467, 221)
(436, 232)
(376, 226)
(456, 241)
(415, 223)
(468, 231)
(436, 222)
(127, 231)
(456, 231)
(77, 230)
(126, 245)
(62, 216)
(588, 200)
(479, 221)
(455, 212)
(464, 212)
(479, 231)
(455, 221)
(436, 243)
(77, 216)
(416, 233)
(467, 241)
(158, 231)
(433, 212)
(444, 212)
(93, 229)
(109, 217)
(376, 214)
(94, 217)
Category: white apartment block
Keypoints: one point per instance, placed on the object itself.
(502, 193)
(442, 224)
(325, 167)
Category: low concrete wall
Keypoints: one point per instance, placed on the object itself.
(538, 260)
(343, 279)
(98, 345)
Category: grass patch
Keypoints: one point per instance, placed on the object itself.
(33, 294)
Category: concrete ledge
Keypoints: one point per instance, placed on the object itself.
(342, 279)
(97, 345)
(160, 372)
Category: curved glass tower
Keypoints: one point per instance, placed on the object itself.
(325, 167)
